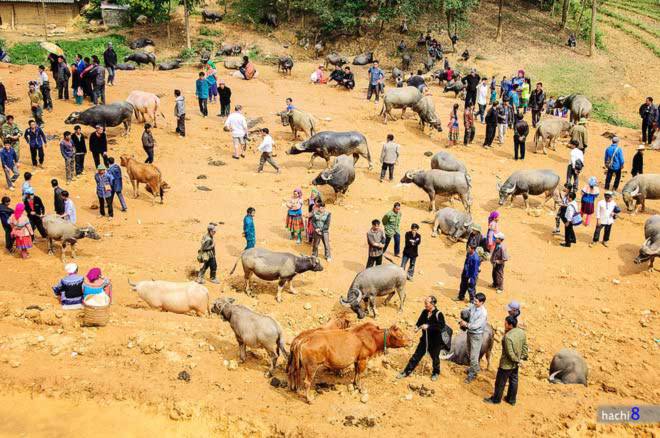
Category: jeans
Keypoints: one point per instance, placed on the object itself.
(404, 261)
(418, 355)
(267, 157)
(474, 341)
(122, 201)
(203, 107)
(181, 125)
(11, 179)
(111, 75)
(34, 152)
(250, 243)
(69, 168)
(470, 97)
(559, 217)
(9, 241)
(518, 146)
(572, 177)
(63, 89)
(647, 132)
(490, 134)
(498, 276)
(536, 116)
(225, 109)
(389, 168)
(466, 287)
(608, 178)
(482, 112)
(374, 260)
(102, 204)
(45, 92)
(500, 382)
(501, 132)
(316, 239)
(38, 114)
(80, 162)
(606, 237)
(150, 155)
(99, 95)
(209, 264)
(373, 88)
(397, 243)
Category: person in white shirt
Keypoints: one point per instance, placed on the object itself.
(575, 165)
(266, 149)
(606, 211)
(483, 90)
(237, 125)
(69, 208)
(44, 87)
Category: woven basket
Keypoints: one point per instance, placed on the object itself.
(96, 316)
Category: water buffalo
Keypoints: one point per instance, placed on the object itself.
(298, 120)
(105, 115)
(65, 232)
(252, 330)
(428, 64)
(271, 19)
(455, 86)
(145, 104)
(140, 43)
(364, 58)
(232, 64)
(651, 247)
(170, 65)
(640, 188)
(446, 161)
(578, 104)
(328, 144)
(568, 367)
(455, 224)
(530, 182)
(436, 182)
(403, 98)
(373, 282)
(440, 75)
(229, 50)
(285, 64)
(211, 16)
(548, 131)
(335, 59)
(425, 109)
(125, 67)
(459, 353)
(396, 73)
(318, 48)
(339, 177)
(173, 297)
(270, 266)
(406, 59)
(142, 58)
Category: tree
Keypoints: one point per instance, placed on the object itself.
(564, 13)
(592, 38)
(457, 11)
(498, 35)
(188, 7)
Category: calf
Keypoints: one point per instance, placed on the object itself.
(173, 297)
(144, 173)
(211, 16)
(340, 177)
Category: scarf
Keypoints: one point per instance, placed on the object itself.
(493, 215)
(94, 274)
(18, 211)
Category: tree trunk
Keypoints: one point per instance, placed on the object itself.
(592, 43)
(186, 19)
(43, 5)
(498, 35)
(449, 30)
(564, 13)
(225, 3)
(579, 20)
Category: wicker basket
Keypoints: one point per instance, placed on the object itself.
(96, 316)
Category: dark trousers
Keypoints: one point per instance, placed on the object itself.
(38, 224)
(560, 217)
(225, 109)
(608, 179)
(569, 234)
(9, 241)
(536, 116)
(518, 147)
(150, 155)
(498, 276)
(99, 95)
(45, 92)
(97, 159)
(606, 237)
(374, 261)
(389, 168)
(647, 132)
(397, 243)
(468, 137)
(490, 134)
(209, 264)
(102, 204)
(572, 177)
(373, 88)
(470, 97)
(466, 287)
(181, 125)
(482, 112)
(80, 163)
(111, 75)
(500, 382)
(63, 89)
(203, 106)
(404, 261)
(38, 114)
(34, 152)
(418, 355)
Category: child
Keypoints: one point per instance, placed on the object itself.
(27, 185)
(589, 194)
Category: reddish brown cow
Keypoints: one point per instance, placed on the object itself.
(144, 173)
(339, 349)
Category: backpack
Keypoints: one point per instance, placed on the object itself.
(578, 165)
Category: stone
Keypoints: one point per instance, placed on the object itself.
(201, 176)
(14, 363)
(141, 19)
(184, 375)
(364, 398)
(408, 396)
(605, 310)
(428, 154)
(615, 281)
(203, 188)
(232, 365)
(307, 306)
(216, 163)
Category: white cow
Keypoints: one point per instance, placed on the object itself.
(145, 104)
(174, 297)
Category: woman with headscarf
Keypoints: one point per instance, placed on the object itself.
(312, 206)
(453, 125)
(493, 219)
(21, 230)
(589, 194)
(95, 283)
(294, 219)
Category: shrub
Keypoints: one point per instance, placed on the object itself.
(32, 53)
(207, 31)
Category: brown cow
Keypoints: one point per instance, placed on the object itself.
(144, 173)
(339, 349)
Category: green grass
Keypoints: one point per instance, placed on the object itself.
(637, 36)
(643, 26)
(32, 53)
(644, 13)
(207, 31)
(605, 112)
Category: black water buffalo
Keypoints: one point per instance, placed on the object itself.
(364, 58)
(211, 16)
(328, 144)
(104, 115)
(125, 66)
(340, 177)
(285, 64)
(142, 58)
(170, 65)
(335, 59)
(229, 50)
(139, 43)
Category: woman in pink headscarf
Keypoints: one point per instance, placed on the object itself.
(493, 219)
(21, 230)
(294, 218)
(95, 283)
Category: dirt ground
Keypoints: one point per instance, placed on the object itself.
(60, 378)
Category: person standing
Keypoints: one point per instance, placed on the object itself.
(471, 82)
(117, 182)
(563, 205)
(202, 93)
(3, 98)
(520, 132)
(99, 82)
(483, 92)
(493, 229)
(468, 122)
(148, 143)
(606, 212)
(266, 149)
(21, 230)
(34, 207)
(224, 93)
(180, 113)
(389, 156)
(237, 125)
(475, 326)
(580, 134)
(536, 103)
(649, 114)
(44, 87)
(58, 200)
(575, 165)
(503, 112)
(63, 75)
(498, 258)
(294, 219)
(70, 214)
(589, 194)
(98, 146)
(36, 139)
(78, 140)
(525, 93)
(321, 224)
(5, 213)
(68, 152)
(104, 190)
(376, 77)
(11, 132)
(211, 79)
(248, 228)
(376, 242)
(453, 126)
(36, 103)
(206, 255)
(9, 162)
(411, 250)
(573, 218)
(432, 323)
(392, 225)
(514, 351)
(491, 124)
(76, 85)
(638, 161)
(613, 163)
(110, 61)
(469, 275)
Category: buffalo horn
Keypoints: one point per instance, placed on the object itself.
(552, 377)
(447, 356)
(635, 191)
(325, 176)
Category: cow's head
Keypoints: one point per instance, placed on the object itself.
(322, 178)
(353, 300)
(127, 58)
(297, 148)
(647, 251)
(73, 118)
(308, 263)
(88, 232)
(222, 306)
(397, 338)
(435, 123)
(124, 159)
(507, 189)
(629, 197)
(409, 176)
(236, 50)
(284, 117)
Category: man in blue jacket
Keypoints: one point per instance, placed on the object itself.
(613, 163)
(469, 274)
(117, 184)
(9, 162)
(36, 139)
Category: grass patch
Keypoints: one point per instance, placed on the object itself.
(645, 12)
(203, 44)
(605, 112)
(32, 53)
(635, 35)
(632, 21)
(255, 54)
(186, 54)
(207, 31)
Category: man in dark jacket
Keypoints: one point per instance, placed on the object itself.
(36, 139)
(98, 146)
(78, 140)
(148, 143)
(649, 114)
(63, 75)
(3, 98)
(469, 275)
(638, 161)
(58, 199)
(520, 132)
(321, 224)
(5, 213)
(410, 249)
(536, 103)
(99, 82)
(117, 183)
(348, 79)
(491, 125)
(224, 93)
(110, 61)
(471, 82)
(35, 210)
(432, 323)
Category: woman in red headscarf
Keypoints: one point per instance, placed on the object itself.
(21, 230)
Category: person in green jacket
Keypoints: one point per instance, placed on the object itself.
(514, 350)
(392, 224)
